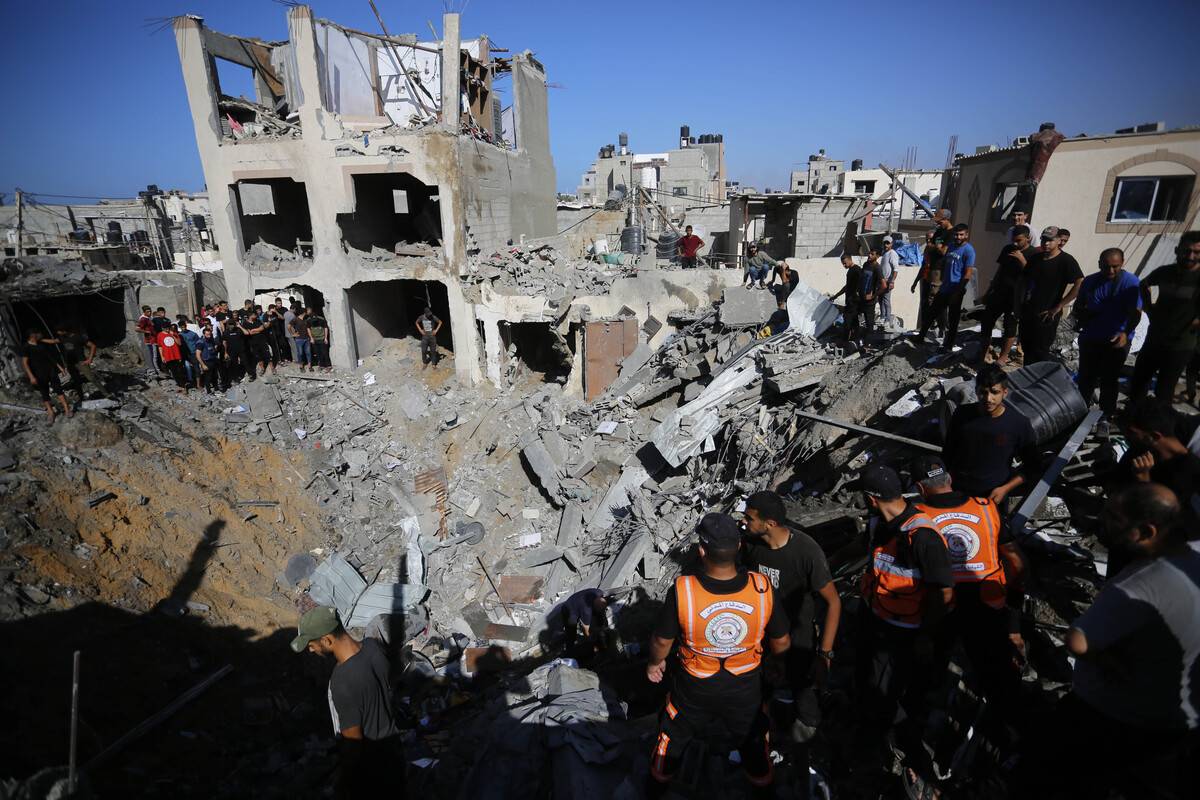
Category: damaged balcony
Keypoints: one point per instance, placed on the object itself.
(238, 63)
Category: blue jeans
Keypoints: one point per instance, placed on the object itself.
(759, 273)
(303, 351)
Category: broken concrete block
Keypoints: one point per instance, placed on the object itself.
(570, 526)
(555, 446)
(651, 566)
(746, 307)
(583, 469)
(264, 403)
(543, 466)
(538, 556)
(412, 401)
(621, 568)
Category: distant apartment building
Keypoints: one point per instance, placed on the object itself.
(693, 171)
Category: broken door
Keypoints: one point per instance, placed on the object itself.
(605, 345)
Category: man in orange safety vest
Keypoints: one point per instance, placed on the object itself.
(722, 617)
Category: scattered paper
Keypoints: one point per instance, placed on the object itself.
(300, 432)
(369, 379)
(529, 540)
(906, 405)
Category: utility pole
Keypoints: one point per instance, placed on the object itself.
(187, 261)
(20, 225)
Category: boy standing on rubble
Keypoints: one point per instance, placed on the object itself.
(798, 572)
(984, 437)
(724, 618)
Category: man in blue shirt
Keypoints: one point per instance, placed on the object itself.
(1109, 306)
(958, 266)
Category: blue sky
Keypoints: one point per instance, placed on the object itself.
(94, 101)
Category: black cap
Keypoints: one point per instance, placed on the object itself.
(719, 532)
(880, 480)
(928, 466)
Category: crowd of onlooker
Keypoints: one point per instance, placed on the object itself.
(211, 351)
(220, 347)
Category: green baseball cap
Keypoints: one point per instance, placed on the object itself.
(318, 622)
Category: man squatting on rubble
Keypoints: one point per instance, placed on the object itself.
(758, 267)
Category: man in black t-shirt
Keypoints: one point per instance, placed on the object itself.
(1157, 455)
(257, 352)
(723, 618)
(798, 572)
(860, 300)
(40, 362)
(1174, 321)
(236, 350)
(1000, 302)
(1044, 279)
(360, 703)
(983, 439)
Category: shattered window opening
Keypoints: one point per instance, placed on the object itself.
(377, 220)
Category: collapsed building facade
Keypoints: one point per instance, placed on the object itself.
(368, 169)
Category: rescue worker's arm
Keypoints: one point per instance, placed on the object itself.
(660, 648)
(666, 631)
(780, 645)
(833, 615)
(417, 325)
(929, 550)
(438, 328)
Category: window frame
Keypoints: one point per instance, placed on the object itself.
(998, 188)
(1119, 188)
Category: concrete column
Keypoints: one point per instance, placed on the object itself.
(197, 80)
(462, 331)
(303, 39)
(492, 349)
(451, 73)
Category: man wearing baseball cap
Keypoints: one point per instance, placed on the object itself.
(907, 588)
(722, 617)
(1046, 276)
(889, 267)
(988, 571)
(360, 702)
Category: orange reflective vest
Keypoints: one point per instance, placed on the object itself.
(722, 631)
(972, 534)
(892, 585)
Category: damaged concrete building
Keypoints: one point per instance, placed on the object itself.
(368, 169)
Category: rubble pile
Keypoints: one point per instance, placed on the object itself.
(541, 267)
(454, 521)
(266, 257)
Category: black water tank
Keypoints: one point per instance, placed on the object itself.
(720, 137)
(113, 234)
(633, 240)
(668, 245)
(856, 164)
(684, 131)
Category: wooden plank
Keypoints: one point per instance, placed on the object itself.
(520, 588)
